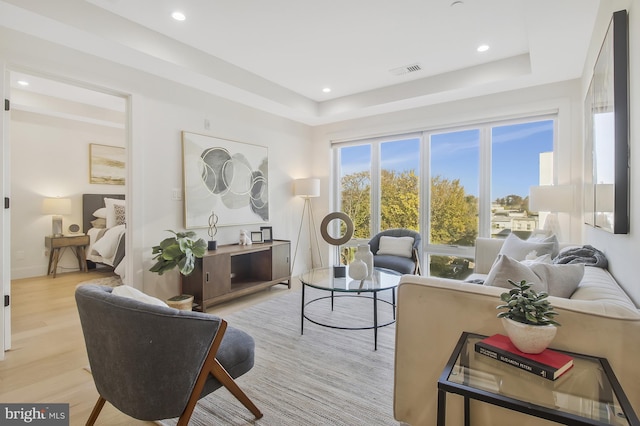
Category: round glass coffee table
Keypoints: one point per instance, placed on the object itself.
(324, 279)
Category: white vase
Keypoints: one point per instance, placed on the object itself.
(530, 339)
(358, 270)
(364, 253)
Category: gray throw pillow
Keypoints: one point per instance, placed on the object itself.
(557, 280)
(519, 249)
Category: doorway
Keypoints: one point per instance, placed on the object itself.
(52, 126)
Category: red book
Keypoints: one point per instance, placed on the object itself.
(548, 363)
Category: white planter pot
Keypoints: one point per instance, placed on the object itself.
(358, 270)
(531, 339)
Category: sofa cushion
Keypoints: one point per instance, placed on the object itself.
(557, 280)
(519, 249)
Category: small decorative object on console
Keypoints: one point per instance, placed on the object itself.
(245, 239)
(528, 319)
(548, 363)
(213, 230)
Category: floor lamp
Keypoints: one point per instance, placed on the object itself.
(307, 188)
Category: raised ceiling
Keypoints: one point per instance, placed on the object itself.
(278, 55)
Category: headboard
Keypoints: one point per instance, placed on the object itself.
(91, 203)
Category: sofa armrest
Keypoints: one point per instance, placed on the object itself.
(432, 314)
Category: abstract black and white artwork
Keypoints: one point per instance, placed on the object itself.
(228, 177)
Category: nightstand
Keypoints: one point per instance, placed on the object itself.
(78, 244)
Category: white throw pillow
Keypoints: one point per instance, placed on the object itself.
(396, 246)
(100, 213)
(519, 249)
(134, 293)
(557, 280)
(111, 213)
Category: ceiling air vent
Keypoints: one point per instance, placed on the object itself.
(406, 69)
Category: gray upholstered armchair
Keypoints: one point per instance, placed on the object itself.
(408, 263)
(154, 362)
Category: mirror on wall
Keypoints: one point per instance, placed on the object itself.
(606, 180)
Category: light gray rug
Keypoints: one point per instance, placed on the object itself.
(324, 377)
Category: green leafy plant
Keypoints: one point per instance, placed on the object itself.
(181, 250)
(525, 305)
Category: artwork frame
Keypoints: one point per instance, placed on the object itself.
(606, 165)
(107, 164)
(226, 176)
(256, 237)
(267, 234)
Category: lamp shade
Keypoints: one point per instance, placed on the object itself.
(307, 187)
(551, 198)
(56, 206)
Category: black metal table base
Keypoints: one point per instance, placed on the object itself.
(375, 325)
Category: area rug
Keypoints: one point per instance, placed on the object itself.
(324, 377)
(113, 281)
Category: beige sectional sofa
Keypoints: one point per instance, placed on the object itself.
(599, 319)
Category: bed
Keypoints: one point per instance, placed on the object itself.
(103, 220)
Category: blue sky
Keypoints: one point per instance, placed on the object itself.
(455, 155)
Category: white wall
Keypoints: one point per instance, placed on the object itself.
(50, 157)
(159, 111)
(622, 250)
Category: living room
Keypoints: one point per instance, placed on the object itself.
(159, 109)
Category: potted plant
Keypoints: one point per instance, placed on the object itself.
(529, 317)
(181, 250)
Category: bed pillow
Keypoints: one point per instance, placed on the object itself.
(99, 223)
(134, 293)
(557, 280)
(519, 249)
(396, 246)
(111, 213)
(101, 213)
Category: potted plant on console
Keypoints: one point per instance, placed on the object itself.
(180, 251)
(529, 317)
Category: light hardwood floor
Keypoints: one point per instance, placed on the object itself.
(48, 358)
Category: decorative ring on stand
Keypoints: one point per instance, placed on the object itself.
(325, 232)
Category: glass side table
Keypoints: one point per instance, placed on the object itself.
(588, 394)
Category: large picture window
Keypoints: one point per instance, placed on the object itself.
(451, 185)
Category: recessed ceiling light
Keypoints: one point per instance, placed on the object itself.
(178, 16)
(483, 48)
(326, 90)
(23, 83)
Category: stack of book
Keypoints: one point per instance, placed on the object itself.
(549, 364)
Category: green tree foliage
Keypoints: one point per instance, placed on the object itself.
(356, 196)
(400, 201)
(454, 214)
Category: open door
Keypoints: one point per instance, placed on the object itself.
(5, 216)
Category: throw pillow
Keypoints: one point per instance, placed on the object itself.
(519, 249)
(550, 239)
(505, 268)
(396, 246)
(111, 214)
(100, 213)
(119, 214)
(557, 280)
(134, 293)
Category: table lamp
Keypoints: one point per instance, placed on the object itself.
(56, 207)
(552, 199)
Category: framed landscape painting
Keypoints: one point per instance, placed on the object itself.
(226, 177)
(107, 164)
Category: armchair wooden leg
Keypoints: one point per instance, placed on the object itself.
(96, 411)
(227, 381)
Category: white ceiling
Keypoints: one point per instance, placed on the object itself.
(279, 55)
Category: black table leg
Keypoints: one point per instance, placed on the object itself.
(375, 320)
(302, 312)
(442, 407)
(393, 302)
(332, 300)
(467, 417)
